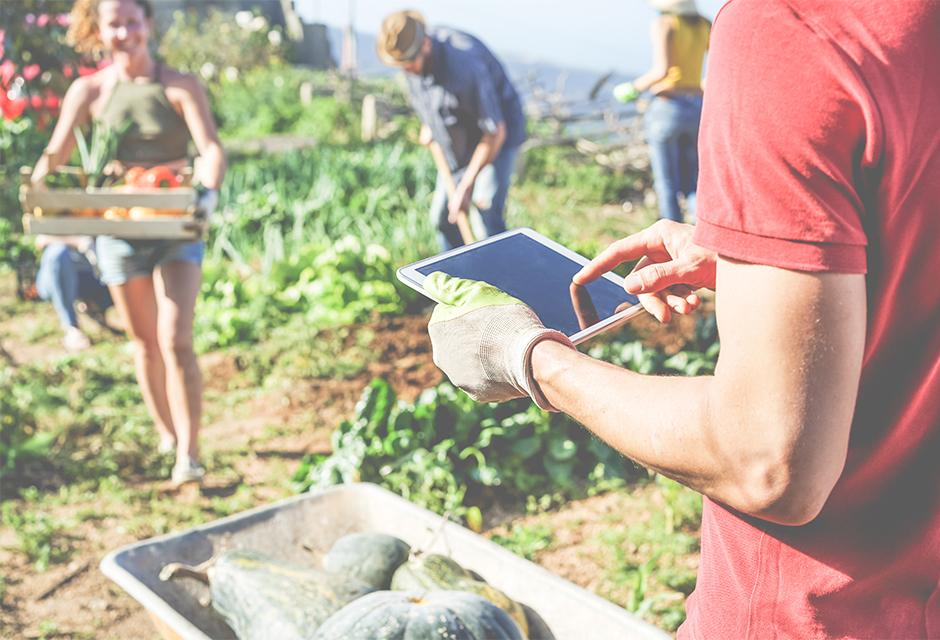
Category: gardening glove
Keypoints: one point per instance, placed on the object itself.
(482, 339)
(626, 92)
(206, 202)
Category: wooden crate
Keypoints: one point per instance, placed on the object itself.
(182, 228)
(48, 211)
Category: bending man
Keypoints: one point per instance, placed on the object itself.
(468, 109)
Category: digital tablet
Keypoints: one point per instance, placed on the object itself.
(538, 271)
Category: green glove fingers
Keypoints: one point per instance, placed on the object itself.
(459, 296)
(626, 92)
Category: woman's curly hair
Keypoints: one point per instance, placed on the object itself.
(83, 27)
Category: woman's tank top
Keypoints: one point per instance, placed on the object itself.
(157, 133)
(687, 54)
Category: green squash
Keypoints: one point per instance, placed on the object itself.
(401, 615)
(263, 598)
(369, 557)
(436, 572)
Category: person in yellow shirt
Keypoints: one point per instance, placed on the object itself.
(680, 40)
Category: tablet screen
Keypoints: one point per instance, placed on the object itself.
(541, 278)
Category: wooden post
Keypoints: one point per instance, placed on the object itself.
(370, 118)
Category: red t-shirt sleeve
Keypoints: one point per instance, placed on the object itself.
(783, 138)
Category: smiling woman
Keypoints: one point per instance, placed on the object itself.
(154, 284)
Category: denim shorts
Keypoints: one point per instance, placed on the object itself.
(122, 260)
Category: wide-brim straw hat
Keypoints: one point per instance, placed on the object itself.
(401, 37)
(677, 7)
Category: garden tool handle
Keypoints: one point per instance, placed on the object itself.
(463, 220)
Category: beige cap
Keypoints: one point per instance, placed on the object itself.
(401, 37)
(677, 7)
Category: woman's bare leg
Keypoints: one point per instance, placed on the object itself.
(136, 302)
(176, 287)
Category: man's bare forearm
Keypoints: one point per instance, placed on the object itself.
(484, 153)
(686, 428)
(661, 422)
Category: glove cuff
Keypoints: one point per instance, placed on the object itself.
(525, 361)
(506, 344)
(206, 202)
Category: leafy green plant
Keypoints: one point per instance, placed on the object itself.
(444, 445)
(526, 540)
(48, 629)
(77, 418)
(39, 535)
(698, 356)
(21, 441)
(328, 284)
(97, 150)
(646, 572)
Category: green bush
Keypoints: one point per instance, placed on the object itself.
(219, 46)
(280, 100)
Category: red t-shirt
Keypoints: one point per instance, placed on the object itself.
(820, 151)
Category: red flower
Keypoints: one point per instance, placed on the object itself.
(7, 71)
(31, 71)
(11, 109)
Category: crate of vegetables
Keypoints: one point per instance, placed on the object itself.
(354, 562)
(140, 203)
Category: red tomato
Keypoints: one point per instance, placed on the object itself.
(159, 177)
(132, 177)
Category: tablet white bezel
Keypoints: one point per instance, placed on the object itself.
(410, 276)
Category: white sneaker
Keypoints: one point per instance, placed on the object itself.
(75, 340)
(189, 471)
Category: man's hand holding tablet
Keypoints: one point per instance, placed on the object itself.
(483, 338)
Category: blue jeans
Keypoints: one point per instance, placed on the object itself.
(65, 276)
(671, 126)
(491, 187)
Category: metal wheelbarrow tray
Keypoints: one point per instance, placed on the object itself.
(303, 528)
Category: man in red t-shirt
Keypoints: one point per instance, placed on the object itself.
(817, 441)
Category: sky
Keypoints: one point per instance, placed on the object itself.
(588, 34)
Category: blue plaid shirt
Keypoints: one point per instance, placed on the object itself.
(463, 94)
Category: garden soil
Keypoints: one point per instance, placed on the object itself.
(269, 432)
